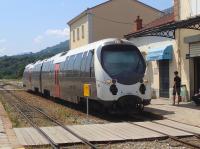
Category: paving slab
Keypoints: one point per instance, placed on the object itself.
(164, 129)
(180, 126)
(186, 112)
(104, 132)
(8, 138)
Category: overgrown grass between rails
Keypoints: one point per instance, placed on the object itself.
(12, 114)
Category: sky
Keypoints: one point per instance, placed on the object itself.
(32, 25)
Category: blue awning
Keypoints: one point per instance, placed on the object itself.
(162, 53)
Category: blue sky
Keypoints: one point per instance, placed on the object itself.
(32, 25)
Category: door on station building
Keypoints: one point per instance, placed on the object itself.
(196, 74)
(56, 81)
(195, 55)
(164, 78)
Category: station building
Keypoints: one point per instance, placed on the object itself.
(112, 19)
(170, 43)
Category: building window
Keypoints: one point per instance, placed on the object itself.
(83, 31)
(78, 34)
(195, 10)
(73, 35)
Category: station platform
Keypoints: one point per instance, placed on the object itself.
(186, 112)
(8, 139)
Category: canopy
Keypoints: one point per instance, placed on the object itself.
(161, 53)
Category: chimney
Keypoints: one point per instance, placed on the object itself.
(138, 23)
(176, 10)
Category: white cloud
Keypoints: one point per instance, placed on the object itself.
(38, 39)
(3, 40)
(58, 32)
(2, 51)
(61, 33)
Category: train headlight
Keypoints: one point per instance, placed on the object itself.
(108, 82)
(114, 81)
(142, 88)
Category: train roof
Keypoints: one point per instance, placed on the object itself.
(29, 66)
(60, 57)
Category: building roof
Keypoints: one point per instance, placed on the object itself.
(166, 19)
(89, 9)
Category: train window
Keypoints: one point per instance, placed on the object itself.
(44, 67)
(48, 66)
(88, 64)
(77, 65)
(83, 63)
(92, 68)
(121, 62)
(70, 66)
(62, 66)
(51, 66)
(66, 63)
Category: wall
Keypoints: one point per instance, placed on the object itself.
(105, 18)
(82, 41)
(189, 8)
(185, 64)
(152, 73)
(179, 61)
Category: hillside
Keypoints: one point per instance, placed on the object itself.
(12, 67)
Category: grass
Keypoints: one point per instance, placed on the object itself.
(13, 115)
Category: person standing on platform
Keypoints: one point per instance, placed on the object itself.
(176, 88)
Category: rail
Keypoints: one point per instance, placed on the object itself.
(52, 143)
(169, 136)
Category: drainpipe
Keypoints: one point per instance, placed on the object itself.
(179, 52)
(179, 39)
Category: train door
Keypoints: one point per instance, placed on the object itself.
(56, 81)
(164, 78)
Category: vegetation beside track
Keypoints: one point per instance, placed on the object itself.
(13, 115)
(12, 67)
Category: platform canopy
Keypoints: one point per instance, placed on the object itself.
(161, 53)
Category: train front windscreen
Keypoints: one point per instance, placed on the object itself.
(124, 63)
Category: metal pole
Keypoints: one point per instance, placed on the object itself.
(87, 107)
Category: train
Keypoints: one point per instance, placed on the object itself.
(114, 69)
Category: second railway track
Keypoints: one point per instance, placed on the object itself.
(196, 135)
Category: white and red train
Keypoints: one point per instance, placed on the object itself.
(114, 68)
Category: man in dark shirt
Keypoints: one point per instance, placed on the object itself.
(176, 87)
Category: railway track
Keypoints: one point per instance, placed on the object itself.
(31, 114)
(140, 118)
(197, 136)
